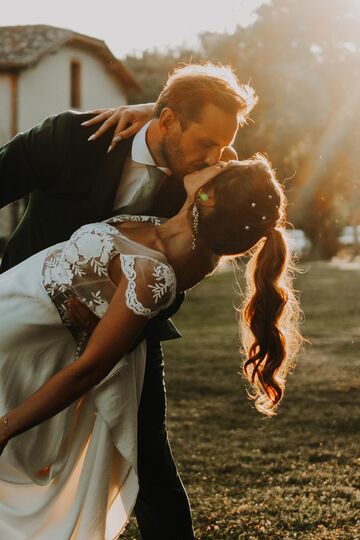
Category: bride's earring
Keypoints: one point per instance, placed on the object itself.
(195, 214)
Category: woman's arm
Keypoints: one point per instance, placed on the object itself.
(128, 119)
(111, 339)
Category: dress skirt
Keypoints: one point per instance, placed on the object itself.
(75, 475)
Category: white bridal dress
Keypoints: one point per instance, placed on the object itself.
(75, 475)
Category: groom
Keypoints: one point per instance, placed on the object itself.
(71, 182)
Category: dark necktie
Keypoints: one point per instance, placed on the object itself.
(145, 197)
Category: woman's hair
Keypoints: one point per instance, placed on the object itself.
(249, 218)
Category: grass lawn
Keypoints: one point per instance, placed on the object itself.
(296, 475)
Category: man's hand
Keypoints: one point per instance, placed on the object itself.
(128, 119)
(81, 316)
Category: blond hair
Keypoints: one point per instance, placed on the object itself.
(191, 87)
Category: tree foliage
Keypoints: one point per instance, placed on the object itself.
(303, 58)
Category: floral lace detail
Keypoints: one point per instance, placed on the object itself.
(128, 267)
(127, 217)
(90, 247)
(79, 268)
(97, 304)
(165, 284)
(164, 278)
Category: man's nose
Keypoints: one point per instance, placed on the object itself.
(213, 156)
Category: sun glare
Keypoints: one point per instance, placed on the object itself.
(126, 28)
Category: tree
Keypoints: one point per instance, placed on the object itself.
(151, 70)
(304, 61)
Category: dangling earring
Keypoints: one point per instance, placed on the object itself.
(195, 214)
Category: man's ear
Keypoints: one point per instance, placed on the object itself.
(167, 120)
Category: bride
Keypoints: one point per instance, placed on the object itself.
(68, 437)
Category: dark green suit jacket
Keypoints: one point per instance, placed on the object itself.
(70, 182)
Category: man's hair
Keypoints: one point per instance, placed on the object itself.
(189, 88)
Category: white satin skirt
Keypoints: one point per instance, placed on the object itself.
(75, 475)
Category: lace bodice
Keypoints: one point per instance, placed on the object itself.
(79, 267)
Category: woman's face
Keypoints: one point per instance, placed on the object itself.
(197, 179)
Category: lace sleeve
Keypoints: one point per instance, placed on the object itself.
(151, 284)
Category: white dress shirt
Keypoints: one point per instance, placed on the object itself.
(135, 175)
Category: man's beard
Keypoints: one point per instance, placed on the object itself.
(175, 158)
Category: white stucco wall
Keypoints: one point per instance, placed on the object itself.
(5, 108)
(45, 88)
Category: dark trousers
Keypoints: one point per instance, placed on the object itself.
(162, 508)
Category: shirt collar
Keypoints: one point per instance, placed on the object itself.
(140, 151)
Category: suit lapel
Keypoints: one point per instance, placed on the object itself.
(168, 200)
(107, 179)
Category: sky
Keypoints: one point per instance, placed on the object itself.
(132, 26)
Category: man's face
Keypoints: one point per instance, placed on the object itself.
(200, 144)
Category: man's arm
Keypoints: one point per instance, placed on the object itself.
(33, 160)
(36, 159)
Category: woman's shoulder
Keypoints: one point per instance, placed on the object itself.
(151, 282)
(134, 253)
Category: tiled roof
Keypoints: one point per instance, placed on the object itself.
(23, 46)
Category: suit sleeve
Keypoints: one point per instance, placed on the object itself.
(39, 158)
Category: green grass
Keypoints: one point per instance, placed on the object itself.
(296, 475)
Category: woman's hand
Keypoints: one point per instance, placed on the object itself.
(128, 119)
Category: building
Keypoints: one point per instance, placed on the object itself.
(45, 70)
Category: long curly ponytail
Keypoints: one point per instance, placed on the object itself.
(270, 318)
